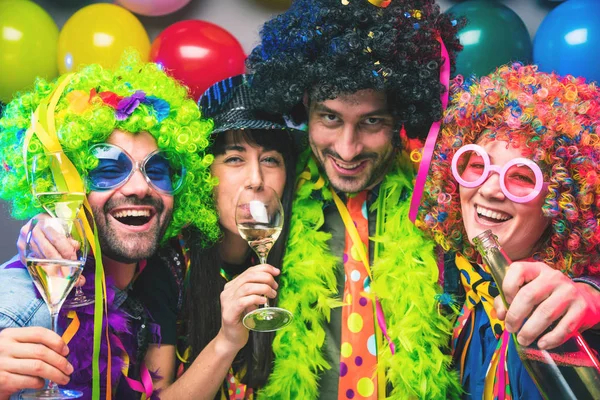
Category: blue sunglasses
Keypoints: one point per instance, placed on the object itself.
(116, 166)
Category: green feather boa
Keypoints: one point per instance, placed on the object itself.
(405, 280)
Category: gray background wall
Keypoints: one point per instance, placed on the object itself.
(243, 19)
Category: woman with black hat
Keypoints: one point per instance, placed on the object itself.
(200, 312)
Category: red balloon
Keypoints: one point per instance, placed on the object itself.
(198, 54)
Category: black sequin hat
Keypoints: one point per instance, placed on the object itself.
(229, 104)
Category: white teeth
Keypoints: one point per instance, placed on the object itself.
(351, 166)
(132, 213)
(500, 216)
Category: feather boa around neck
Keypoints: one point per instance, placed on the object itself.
(81, 345)
(405, 280)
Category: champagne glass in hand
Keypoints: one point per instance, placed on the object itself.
(49, 186)
(259, 218)
(54, 279)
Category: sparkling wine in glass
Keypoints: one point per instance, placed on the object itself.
(50, 188)
(54, 279)
(61, 204)
(259, 218)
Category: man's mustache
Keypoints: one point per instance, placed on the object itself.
(360, 157)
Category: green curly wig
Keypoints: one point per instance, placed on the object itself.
(179, 131)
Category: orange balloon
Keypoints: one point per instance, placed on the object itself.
(99, 34)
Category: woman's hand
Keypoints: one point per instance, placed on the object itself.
(204, 377)
(242, 295)
(540, 296)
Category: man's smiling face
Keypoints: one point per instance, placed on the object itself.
(132, 218)
(351, 136)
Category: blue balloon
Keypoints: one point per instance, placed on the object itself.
(568, 40)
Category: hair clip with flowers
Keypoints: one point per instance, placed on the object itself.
(125, 106)
(79, 101)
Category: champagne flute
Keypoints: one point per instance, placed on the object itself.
(49, 186)
(54, 279)
(259, 219)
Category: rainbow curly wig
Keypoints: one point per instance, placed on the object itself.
(84, 116)
(331, 47)
(555, 121)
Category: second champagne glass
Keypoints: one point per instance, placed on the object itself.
(49, 187)
(259, 218)
(54, 279)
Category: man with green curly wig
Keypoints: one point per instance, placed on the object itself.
(137, 140)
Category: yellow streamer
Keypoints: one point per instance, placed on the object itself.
(68, 179)
(352, 231)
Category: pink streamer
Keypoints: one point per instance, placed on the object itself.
(383, 326)
(431, 138)
(145, 385)
(141, 266)
(502, 365)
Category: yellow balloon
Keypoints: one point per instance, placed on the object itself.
(28, 37)
(99, 34)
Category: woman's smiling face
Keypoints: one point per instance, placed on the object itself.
(519, 226)
(241, 165)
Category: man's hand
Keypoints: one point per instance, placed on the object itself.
(47, 242)
(28, 356)
(544, 296)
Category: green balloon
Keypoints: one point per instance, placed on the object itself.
(494, 35)
(28, 40)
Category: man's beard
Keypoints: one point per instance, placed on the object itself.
(381, 165)
(130, 247)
